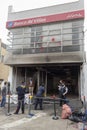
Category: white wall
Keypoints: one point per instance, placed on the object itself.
(85, 43)
(84, 80)
(10, 79)
(56, 9)
(85, 27)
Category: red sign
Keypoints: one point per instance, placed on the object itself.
(46, 19)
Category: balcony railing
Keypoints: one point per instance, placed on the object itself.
(47, 41)
(33, 49)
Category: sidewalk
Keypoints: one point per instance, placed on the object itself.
(42, 120)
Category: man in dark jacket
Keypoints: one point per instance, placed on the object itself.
(21, 96)
(39, 97)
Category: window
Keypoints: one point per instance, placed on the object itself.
(36, 40)
(75, 33)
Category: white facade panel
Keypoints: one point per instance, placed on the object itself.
(85, 27)
(84, 82)
(56, 9)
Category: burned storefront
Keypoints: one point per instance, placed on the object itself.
(50, 76)
(47, 44)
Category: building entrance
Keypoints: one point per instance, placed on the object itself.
(50, 75)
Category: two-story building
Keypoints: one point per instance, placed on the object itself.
(47, 44)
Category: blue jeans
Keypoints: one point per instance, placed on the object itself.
(38, 101)
(3, 101)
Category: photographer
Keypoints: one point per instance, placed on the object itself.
(63, 90)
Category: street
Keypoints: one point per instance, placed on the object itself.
(39, 119)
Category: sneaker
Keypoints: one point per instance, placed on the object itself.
(22, 112)
(15, 113)
(41, 108)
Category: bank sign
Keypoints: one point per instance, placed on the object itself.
(45, 19)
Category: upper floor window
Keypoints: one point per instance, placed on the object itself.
(77, 29)
(36, 38)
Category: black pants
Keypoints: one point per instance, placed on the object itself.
(62, 100)
(38, 101)
(20, 105)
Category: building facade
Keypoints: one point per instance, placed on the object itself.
(4, 69)
(47, 44)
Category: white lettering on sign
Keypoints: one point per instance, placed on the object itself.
(46, 19)
(74, 15)
(39, 20)
(30, 21)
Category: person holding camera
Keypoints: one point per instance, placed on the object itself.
(63, 90)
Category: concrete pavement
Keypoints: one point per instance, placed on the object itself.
(42, 120)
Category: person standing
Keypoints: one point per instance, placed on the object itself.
(39, 97)
(3, 94)
(31, 86)
(63, 90)
(21, 96)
